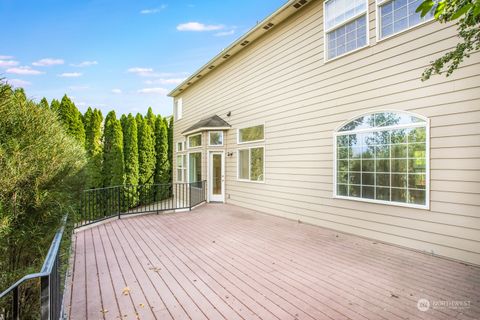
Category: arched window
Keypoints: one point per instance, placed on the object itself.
(383, 157)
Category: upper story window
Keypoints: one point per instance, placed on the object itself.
(398, 15)
(195, 141)
(180, 146)
(345, 24)
(383, 157)
(251, 134)
(178, 109)
(215, 138)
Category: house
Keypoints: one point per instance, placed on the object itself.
(319, 114)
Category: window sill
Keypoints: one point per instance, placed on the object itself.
(251, 181)
(388, 203)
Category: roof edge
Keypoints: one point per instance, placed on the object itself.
(187, 133)
(281, 14)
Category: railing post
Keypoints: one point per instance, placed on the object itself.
(45, 298)
(119, 204)
(15, 304)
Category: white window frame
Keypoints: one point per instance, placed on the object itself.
(188, 166)
(250, 164)
(251, 126)
(178, 106)
(182, 143)
(326, 31)
(380, 3)
(216, 145)
(183, 167)
(337, 133)
(194, 135)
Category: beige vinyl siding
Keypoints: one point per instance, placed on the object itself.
(282, 80)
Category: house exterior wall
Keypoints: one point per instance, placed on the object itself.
(282, 80)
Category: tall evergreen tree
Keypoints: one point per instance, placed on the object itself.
(162, 166)
(93, 144)
(146, 152)
(151, 118)
(55, 105)
(71, 119)
(113, 162)
(43, 103)
(170, 147)
(130, 150)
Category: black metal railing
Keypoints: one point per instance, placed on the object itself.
(105, 203)
(51, 287)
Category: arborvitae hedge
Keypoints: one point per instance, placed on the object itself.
(162, 167)
(93, 132)
(113, 162)
(71, 119)
(146, 152)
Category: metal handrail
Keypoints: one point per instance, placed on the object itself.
(49, 282)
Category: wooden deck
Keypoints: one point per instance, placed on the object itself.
(226, 262)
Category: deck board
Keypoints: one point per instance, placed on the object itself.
(226, 262)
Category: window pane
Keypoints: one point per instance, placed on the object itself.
(338, 11)
(382, 194)
(180, 161)
(347, 38)
(342, 153)
(216, 138)
(342, 177)
(399, 195)
(417, 197)
(195, 167)
(399, 151)
(383, 179)
(179, 175)
(417, 150)
(368, 192)
(179, 146)
(342, 165)
(399, 180)
(342, 190)
(417, 181)
(368, 179)
(355, 178)
(243, 159)
(399, 165)
(417, 165)
(251, 134)
(368, 165)
(195, 141)
(354, 191)
(256, 169)
(398, 15)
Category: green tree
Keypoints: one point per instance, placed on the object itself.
(71, 119)
(467, 12)
(146, 152)
(130, 151)
(44, 103)
(93, 144)
(55, 105)
(151, 118)
(162, 166)
(113, 162)
(170, 147)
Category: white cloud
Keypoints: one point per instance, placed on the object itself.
(78, 88)
(154, 10)
(8, 63)
(6, 57)
(24, 70)
(47, 62)
(84, 64)
(117, 91)
(225, 33)
(198, 27)
(18, 83)
(70, 75)
(143, 72)
(165, 81)
(161, 91)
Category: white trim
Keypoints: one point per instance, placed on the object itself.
(183, 168)
(251, 126)
(427, 160)
(187, 133)
(250, 163)
(210, 180)
(378, 23)
(194, 135)
(325, 31)
(178, 109)
(188, 166)
(216, 145)
(183, 143)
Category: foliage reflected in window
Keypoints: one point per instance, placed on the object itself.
(195, 141)
(251, 164)
(181, 168)
(251, 134)
(383, 157)
(216, 138)
(195, 167)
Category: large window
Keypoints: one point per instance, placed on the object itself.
(251, 134)
(383, 157)
(181, 168)
(215, 138)
(345, 24)
(398, 15)
(251, 164)
(195, 141)
(195, 167)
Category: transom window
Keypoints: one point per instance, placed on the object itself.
(251, 134)
(383, 157)
(251, 164)
(398, 15)
(195, 141)
(215, 138)
(345, 24)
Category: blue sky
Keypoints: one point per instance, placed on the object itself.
(117, 54)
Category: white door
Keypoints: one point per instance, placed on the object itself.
(216, 177)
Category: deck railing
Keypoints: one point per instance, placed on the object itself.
(51, 287)
(105, 203)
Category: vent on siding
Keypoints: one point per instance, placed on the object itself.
(211, 67)
(244, 43)
(180, 89)
(199, 76)
(268, 26)
(299, 4)
(189, 83)
(226, 56)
